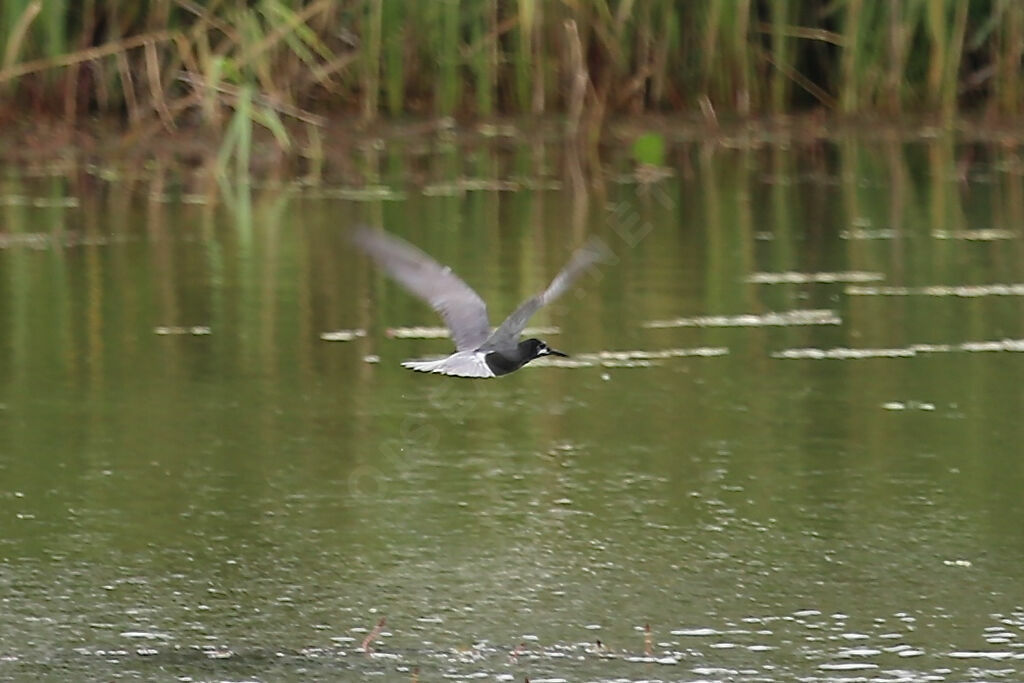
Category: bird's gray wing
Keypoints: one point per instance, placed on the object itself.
(463, 310)
(507, 334)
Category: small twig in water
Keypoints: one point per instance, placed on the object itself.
(648, 645)
(372, 636)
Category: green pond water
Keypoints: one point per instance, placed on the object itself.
(802, 462)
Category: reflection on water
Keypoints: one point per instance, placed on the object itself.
(196, 483)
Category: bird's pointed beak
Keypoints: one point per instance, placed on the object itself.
(553, 352)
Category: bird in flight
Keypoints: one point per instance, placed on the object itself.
(479, 351)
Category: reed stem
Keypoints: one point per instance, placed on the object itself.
(488, 57)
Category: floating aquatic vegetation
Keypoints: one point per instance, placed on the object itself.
(29, 240)
(1016, 345)
(343, 335)
(841, 353)
(908, 405)
(442, 332)
(39, 202)
(187, 198)
(981, 235)
(538, 183)
(792, 277)
(702, 351)
(50, 169)
(628, 359)
(1016, 289)
(869, 234)
(46, 240)
(645, 174)
(491, 130)
(791, 179)
(417, 332)
(195, 330)
(978, 235)
(443, 190)
(370, 193)
(771, 319)
(489, 185)
(463, 185)
(106, 173)
(577, 362)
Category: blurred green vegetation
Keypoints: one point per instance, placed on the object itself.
(295, 59)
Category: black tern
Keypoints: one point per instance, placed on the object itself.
(479, 351)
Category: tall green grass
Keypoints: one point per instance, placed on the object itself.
(162, 60)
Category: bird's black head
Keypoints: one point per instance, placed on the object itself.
(535, 348)
(504, 362)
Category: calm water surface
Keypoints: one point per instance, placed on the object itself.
(195, 485)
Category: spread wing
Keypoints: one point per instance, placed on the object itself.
(507, 334)
(462, 309)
